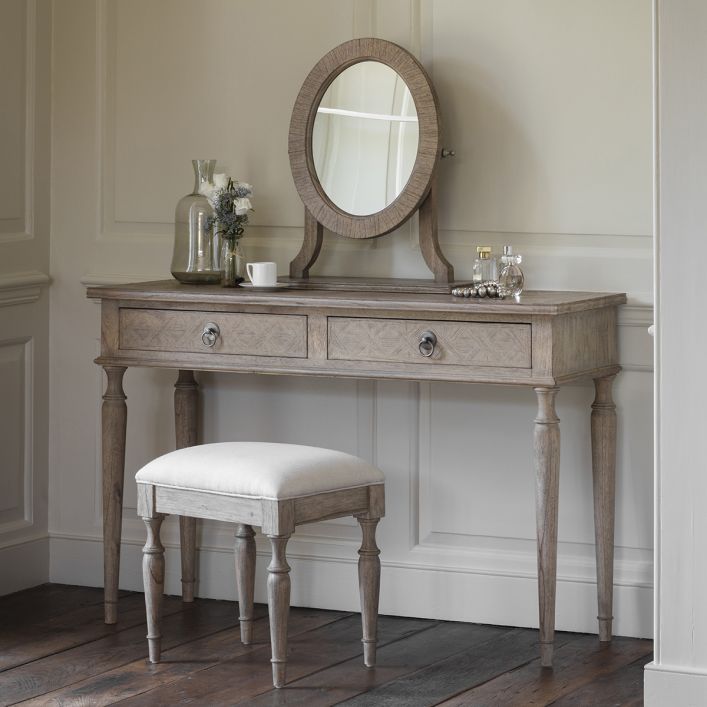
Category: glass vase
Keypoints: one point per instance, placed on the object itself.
(197, 249)
(232, 263)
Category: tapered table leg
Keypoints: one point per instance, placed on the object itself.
(547, 472)
(604, 473)
(186, 398)
(114, 416)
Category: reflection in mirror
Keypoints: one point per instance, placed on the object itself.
(365, 138)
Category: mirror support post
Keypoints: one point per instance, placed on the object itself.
(312, 244)
(441, 268)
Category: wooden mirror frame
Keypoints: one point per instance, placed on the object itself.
(418, 193)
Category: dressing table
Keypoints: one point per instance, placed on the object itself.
(368, 328)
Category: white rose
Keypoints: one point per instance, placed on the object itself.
(241, 206)
(220, 181)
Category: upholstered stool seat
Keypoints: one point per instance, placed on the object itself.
(276, 487)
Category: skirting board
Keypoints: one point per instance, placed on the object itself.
(26, 565)
(674, 686)
(331, 583)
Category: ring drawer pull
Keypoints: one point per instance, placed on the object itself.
(428, 341)
(210, 334)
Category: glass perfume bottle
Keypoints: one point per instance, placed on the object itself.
(511, 278)
(485, 266)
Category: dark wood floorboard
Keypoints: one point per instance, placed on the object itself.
(578, 662)
(230, 682)
(401, 657)
(55, 650)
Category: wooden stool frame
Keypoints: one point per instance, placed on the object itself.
(278, 519)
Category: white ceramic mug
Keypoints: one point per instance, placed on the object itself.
(262, 274)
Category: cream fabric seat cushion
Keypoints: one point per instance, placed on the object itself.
(259, 470)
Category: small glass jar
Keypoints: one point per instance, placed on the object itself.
(511, 279)
(232, 262)
(485, 266)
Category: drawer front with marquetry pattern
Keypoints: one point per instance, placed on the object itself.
(279, 335)
(436, 342)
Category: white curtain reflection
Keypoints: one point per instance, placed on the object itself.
(365, 138)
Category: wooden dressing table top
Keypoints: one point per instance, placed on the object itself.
(531, 301)
(546, 338)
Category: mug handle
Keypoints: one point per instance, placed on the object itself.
(249, 270)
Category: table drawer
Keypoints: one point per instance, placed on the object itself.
(458, 343)
(280, 335)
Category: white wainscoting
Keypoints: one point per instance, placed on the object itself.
(24, 544)
(25, 31)
(16, 372)
(458, 539)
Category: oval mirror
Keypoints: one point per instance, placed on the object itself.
(365, 138)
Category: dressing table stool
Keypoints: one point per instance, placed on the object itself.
(276, 487)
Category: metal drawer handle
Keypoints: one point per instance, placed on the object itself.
(211, 334)
(428, 341)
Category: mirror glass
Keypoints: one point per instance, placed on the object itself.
(365, 138)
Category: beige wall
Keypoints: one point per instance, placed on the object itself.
(548, 106)
(25, 40)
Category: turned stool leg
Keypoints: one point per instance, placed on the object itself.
(153, 581)
(369, 575)
(278, 606)
(245, 578)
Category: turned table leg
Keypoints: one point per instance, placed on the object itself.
(114, 415)
(604, 471)
(547, 471)
(186, 397)
(245, 578)
(278, 607)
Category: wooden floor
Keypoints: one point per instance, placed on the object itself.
(56, 650)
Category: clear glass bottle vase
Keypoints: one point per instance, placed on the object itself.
(197, 248)
(232, 263)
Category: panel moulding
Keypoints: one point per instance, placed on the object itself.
(21, 287)
(108, 228)
(494, 555)
(25, 519)
(27, 228)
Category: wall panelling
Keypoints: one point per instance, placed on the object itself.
(565, 175)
